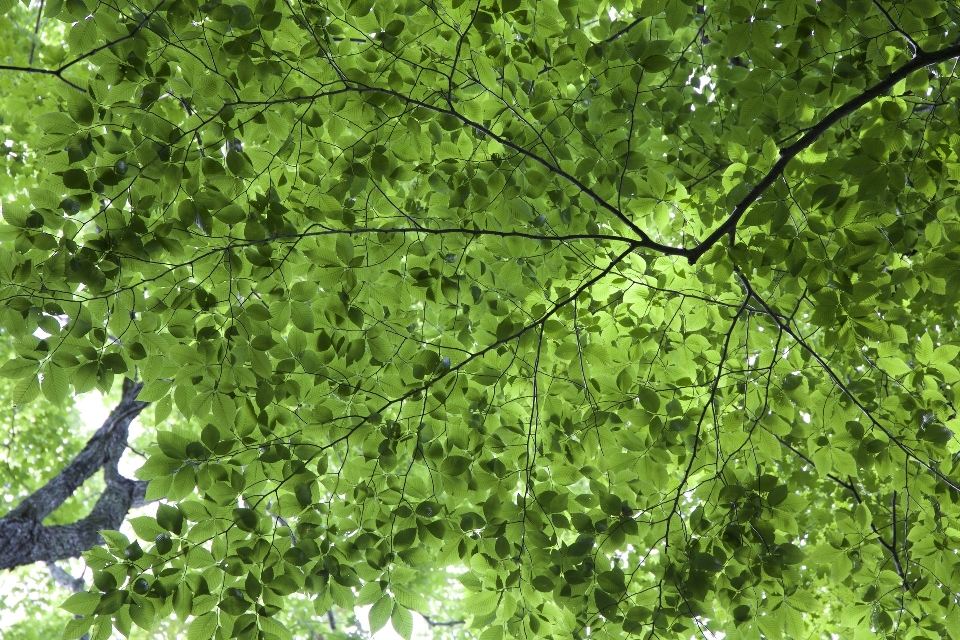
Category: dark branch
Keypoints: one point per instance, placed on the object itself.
(910, 41)
(23, 537)
(64, 579)
(841, 385)
(891, 547)
(626, 29)
(729, 226)
(644, 240)
(58, 73)
(36, 31)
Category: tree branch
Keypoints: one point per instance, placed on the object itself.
(23, 537)
(841, 385)
(58, 73)
(906, 36)
(891, 547)
(442, 623)
(729, 226)
(36, 30)
(625, 29)
(64, 579)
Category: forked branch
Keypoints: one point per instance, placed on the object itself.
(24, 539)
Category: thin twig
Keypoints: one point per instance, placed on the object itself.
(441, 623)
(36, 30)
(626, 29)
(915, 48)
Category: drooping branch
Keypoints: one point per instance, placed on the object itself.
(849, 485)
(24, 539)
(36, 32)
(57, 73)
(64, 579)
(841, 385)
(906, 36)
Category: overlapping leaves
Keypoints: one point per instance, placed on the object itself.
(416, 275)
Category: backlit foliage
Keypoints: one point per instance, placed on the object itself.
(644, 314)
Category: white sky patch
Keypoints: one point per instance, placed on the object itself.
(8, 580)
(93, 409)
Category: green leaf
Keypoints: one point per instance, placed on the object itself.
(25, 391)
(55, 383)
(163, 543)
(170, 518)
(154, 390)
(77, 628)
(481, 604)
(231, 214)
(224, 411)
(145, 527)
(111, 601)
(19, 368)
(937, 434)
(202, 627)
(494, 632)
(246, 519)
(656, 63)
(75, 179)
(82, 603)
(302, 315)
(380, 613)
(409, 599)
(55, 123)
(236, 162)
(826, 195)
(706, 562)
(82, 38)
(402, 621)
(542, 583)
(344, 249)
(925, 349)
(143, 615)
(455, 465)
(649, 399)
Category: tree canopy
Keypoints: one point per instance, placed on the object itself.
(639, 317)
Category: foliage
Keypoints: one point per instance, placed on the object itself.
(642, 313)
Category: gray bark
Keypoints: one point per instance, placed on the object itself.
(64, 579)
(24, 539)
